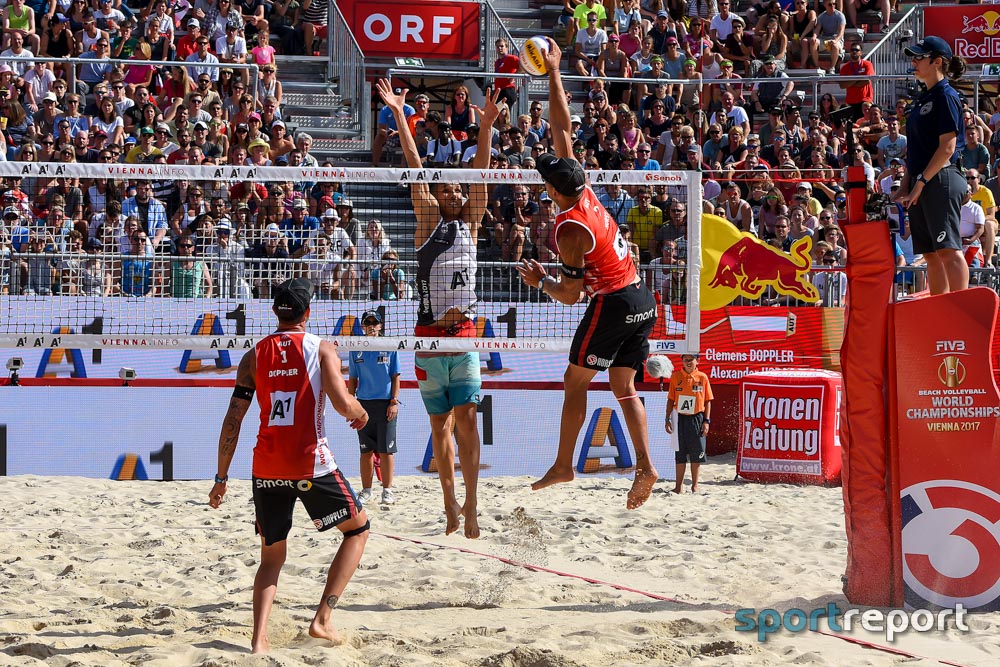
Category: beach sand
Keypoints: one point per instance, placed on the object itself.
(106, 573)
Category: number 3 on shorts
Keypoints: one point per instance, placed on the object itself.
(282, 408)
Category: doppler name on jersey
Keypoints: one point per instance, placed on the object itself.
(283, 372)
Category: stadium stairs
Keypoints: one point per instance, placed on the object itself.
(312, 104)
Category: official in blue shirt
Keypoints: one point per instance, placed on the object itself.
(934, 185)
(374, 379)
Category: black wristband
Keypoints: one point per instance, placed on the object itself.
(221, 480)
(574, 272)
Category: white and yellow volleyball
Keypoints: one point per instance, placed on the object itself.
(533, 56)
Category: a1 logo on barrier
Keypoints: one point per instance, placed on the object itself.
(951, 545)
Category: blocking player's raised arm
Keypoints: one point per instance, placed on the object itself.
(425, 206)
(475, 208)
(559, 118)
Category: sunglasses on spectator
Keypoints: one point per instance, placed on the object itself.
(186, 245)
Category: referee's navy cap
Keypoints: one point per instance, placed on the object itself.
(929, 45)
(292, 297)
(564, 174)
(371, 315)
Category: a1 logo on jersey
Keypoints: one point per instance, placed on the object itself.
(951, 545)
(282, 408)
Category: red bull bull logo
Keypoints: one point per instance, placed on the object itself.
(987, 23)
(750, 266)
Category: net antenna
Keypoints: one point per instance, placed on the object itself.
(509, 315)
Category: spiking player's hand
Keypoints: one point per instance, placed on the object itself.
(394, 101)
(553, 56)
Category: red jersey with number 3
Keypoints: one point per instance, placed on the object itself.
(608, 265)
(291, 443)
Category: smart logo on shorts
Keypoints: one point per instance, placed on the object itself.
(951, 545)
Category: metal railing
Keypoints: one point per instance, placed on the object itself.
(888, 58)
(346, 64)
(253, 69)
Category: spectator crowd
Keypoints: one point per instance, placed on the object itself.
(769, 164)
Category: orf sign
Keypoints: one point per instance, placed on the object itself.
(429, 29)
(788, 430)
(973, 31)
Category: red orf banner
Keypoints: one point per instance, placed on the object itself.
(973, 31)
(431, 29)
(945, 448)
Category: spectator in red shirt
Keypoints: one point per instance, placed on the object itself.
(187, 44)
(860, 91)
(506, 63)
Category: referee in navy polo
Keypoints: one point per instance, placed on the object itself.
(934, 185)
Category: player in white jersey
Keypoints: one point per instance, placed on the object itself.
(446, 235)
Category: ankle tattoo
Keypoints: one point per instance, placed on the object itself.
(332, 601)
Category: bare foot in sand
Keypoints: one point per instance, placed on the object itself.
(454, 515)
(555, 475)
(642, 487)
(325, 631)
(694, 488)
(678, 490)
(261, 645)
(471, 522)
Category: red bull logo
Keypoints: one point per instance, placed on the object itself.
(735, 263)
(987, 23)
(749, 266)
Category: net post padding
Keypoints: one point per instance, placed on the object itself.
(533, 323)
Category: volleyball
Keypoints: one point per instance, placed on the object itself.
(659, 366)
(533, 56)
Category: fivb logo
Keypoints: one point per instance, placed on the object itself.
(951, 545)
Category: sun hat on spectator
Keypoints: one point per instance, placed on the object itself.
(193, 22)
(804, 185)
(11, 212)
(895, 160)
(242, 126)
(300, 203)
(60, 18)
(241, 205)
(330, 214)
(738, 19)
(258, 143)
(614, 38)
(273, 229)
(254, 116)
(767, 59)
(575, 119)
(5, 68)
(662, 14)
(670, 40)
(146, 130)
(223, 225)
(472, 127)
(50, 97)
(281, 160)
(278, 122)
(345, 202)
(201, 125)
(98, 132)
(162, 127)
(129, 140)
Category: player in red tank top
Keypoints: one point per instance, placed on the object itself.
(614, 332)
(290, 371)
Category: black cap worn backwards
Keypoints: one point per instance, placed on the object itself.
(564, 174)
(292, 297)
(371, 317)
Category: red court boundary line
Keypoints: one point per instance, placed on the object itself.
(653, 596)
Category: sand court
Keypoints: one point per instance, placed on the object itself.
(106, 573)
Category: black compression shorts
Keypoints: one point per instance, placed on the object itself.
(329, 500)
(614, 332)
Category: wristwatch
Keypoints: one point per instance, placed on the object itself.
(221, 480)
(920, 177)
(708, 421)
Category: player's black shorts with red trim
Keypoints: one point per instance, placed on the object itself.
(614, 332)
(329, 500)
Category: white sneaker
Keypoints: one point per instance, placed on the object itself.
(388, 497)
(365, 496)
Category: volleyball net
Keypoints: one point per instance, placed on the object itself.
(160, 256)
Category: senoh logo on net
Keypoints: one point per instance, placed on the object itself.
(951, 544)
(656, 177)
